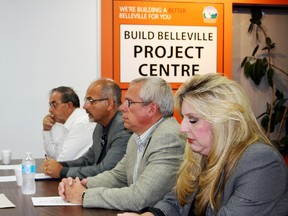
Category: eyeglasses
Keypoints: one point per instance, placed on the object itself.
(90, 101)
(128, 102)
(54, 104)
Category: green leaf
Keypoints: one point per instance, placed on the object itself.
(257, 72)
(255, 50)
(279, 94)
(251, 27)
(252, 73)
(244, 61)
(268, 41)
(280, 103)
(265, 62)
(262, 69)
(247, 69)
(272, 46)
(264, 122)
(257, 35)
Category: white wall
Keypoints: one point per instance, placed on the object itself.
(275, 23)
(48, 43)
(43, 44)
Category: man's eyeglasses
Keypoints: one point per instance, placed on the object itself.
(128, 102)
(54, 104)
(90, 101)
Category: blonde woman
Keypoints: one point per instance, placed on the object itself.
(230, 167)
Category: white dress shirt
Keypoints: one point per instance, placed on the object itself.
(71, 140)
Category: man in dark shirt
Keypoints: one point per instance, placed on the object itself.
(102, 101)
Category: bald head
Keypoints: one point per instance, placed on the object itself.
(102, 101)
(108, 89)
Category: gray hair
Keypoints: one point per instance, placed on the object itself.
(110, 89)
(155, 89)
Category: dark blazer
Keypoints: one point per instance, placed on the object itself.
(90, 164)
(257, 187)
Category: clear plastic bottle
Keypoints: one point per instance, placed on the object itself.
(28, 174)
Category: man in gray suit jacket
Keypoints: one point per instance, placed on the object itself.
(102, 101)
(154, 153)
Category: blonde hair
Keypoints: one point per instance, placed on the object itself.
(223, 103)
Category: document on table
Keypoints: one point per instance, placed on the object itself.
(7, 178)
(9, 167)
(5, 202)
(38, 176)
(51, 201)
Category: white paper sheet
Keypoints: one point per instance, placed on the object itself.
(5, 202)
(7, 178)
(51, 201)
(38, 176)
(9, 167)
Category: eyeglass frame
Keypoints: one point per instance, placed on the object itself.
(90, 101)
(128, 102)
(54, 104)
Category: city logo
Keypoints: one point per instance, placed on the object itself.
(210, 14)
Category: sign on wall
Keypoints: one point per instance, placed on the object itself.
(166, 39)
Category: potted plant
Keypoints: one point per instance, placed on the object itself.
(274, 120)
